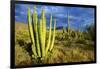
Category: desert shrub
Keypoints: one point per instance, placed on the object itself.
(73, 54)
(81, 41)
(21, 35)
(57, 56)
(90, 32)
(22, 56)
(59, 36)
(65, 49)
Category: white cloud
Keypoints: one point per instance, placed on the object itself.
(16, 16)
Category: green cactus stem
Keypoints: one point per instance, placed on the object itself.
(53, 38)
(43, 32)
(36, 29)
(31, 33)
(49, 38)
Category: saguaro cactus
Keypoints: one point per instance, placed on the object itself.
(37, 31)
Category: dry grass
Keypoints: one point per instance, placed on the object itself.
(64, 51)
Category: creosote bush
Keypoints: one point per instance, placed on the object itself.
(22, 57)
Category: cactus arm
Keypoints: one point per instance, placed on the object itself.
(41, 37)
(35, 23)
(31, 33)
(43, 19)
(49, 38)
(53, 38)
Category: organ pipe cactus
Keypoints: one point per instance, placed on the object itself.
(37, 30)
(68, 24)
(64, 29)
(69, 30)
(79, 32)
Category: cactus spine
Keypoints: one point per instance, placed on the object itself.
(37, 31)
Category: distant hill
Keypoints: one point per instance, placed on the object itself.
(61, 27)
(19, 25)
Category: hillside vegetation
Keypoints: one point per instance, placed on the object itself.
(76, 47)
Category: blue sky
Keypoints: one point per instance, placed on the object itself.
(79, 16)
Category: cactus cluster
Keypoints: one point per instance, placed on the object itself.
(37, 30)
(69, 31)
